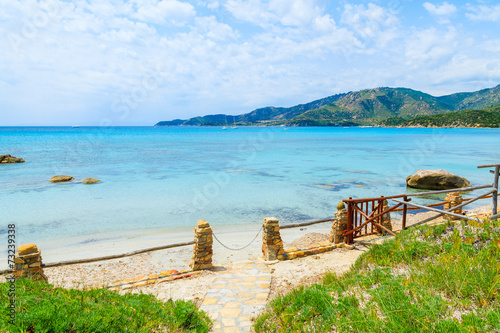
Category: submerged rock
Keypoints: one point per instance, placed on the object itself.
(61, 179)
(436, 180)
(4, 159)
(90, 180)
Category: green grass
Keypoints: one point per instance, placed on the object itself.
(428, 279)
(42, 308)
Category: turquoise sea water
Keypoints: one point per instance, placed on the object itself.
(169, 177)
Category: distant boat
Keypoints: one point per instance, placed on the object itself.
(75, 126)
(224, 127)
(234, 126)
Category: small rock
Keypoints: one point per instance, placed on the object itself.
(90, 180)
(61, 179)
(203, 224)
(4, 159)
(27, 248)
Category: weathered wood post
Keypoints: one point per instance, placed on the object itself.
(202, 250)
(272, 245)
(496, 173)
(454, 199)
(386, 218)
(28, 263)
(339, 225)
(494, 209)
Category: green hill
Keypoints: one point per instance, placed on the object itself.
(474, 100)
(364, 107)
(368, 107)
(489, 117)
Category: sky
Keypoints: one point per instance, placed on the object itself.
(115, 63)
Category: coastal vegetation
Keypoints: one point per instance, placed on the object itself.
(370, 107)
(489, 117)
(443, 278)
(40, 307)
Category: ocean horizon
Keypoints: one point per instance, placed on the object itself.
(161, 180)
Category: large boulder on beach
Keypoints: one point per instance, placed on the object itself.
(4, 159)
(61, 179)
(436, 180)
(90, 180)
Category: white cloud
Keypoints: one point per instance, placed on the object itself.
(441, 12)
(371, 24)
(430, 46)
(295, 12)
(213, 29)
(164, 11)
(264, 13)
(445, 9)
(483, 13)
(253, 11)
(325, 23)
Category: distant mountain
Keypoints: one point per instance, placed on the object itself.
(258, 116)
(473, 100)
(364, 107)
(488, 117)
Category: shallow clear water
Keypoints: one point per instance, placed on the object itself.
(169, 177)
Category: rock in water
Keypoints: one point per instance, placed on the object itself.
(90, 180)
(4, 159)
(61, 179)
(436, 180)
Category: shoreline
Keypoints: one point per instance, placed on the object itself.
(233, 236)
(109, 243)
(286, 275)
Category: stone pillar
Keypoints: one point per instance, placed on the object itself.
(455, 199)
(339, 225)
(386, 218)
(272, 245)
(202, 252)
(28, 263)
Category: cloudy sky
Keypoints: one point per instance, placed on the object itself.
(112, 62)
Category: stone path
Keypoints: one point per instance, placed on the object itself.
(238, 294)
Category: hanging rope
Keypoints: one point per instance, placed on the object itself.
(244, 247)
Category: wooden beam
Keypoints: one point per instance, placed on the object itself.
(482, 196)
(488, 165)
(303, 224)
(381, 226)
(437, 210)
(116, 256)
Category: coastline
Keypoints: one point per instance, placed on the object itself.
(110, 243)
(232, 236)
(286, 274)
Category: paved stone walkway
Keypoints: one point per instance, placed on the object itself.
(238, 294)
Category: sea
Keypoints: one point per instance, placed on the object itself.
(158, 180)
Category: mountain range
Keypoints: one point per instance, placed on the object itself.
(364, 107)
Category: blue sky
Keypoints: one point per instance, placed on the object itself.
(110, 62)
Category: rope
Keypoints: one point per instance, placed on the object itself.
(242, 248)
